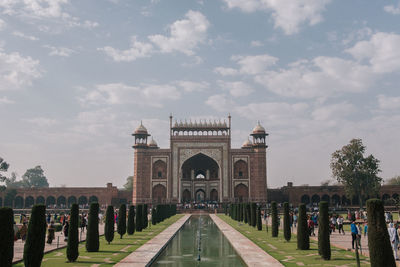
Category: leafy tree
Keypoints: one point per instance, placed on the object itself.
(35, 178)
(121, 227)
(129, 183)
(92, 234)
(380, 250)
(3, 168)
(324, 243)
(303, 236)
(73, 234)
(6, 237)
(34, 244)
(357, 173)
(286, 222)
(131, 220)
(10, 194)
(394, 180)
(259, 222)
(109, 225)
(274, 218)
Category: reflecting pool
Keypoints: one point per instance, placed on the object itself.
(199, 232)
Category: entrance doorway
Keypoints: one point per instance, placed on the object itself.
(200, 195)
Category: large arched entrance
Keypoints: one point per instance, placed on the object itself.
(241, 192)
(159, 193)
(199, 174)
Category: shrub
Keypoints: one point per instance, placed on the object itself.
(286, 222)
(139, 217)
(109, 225)
(73, 234)
(131, 220)
(34, 244)
(6, 237)
(92, 235)
(274, 219)
(253, 214)
(303, 236)
(121, 227)
(380, 250)
(259, 222)
(324, 243)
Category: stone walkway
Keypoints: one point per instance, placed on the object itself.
(250, 253)
(147, 253)
(19, 245)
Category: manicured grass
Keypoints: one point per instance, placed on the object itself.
(109, 254)
(287, 253)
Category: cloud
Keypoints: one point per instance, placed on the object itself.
(320, 77)
(185, 35)
(256, 44)
(381, 51)
(189, 86)
(137, 50)
(3, 24)
(220, 102)
(286, 14)
(42, 121)
(226, 71)
(17, 71)
(333, 111)
(254, 64)
(5, 100)
(388, 103)
(152, 95)
(25, 36)
(394, 10)
(236, 89)
(60, 51)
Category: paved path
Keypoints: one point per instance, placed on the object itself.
(250, 253)
(19, 245)
(147, 253)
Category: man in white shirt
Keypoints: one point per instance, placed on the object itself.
(394, 239)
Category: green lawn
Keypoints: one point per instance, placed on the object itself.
(287, 253)
(109, 254)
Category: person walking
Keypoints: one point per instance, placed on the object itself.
(365, 228)
(65, 230)
(394, 239)
(50, 233)
(354, 233)
(340, 221)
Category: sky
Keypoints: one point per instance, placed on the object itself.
(77, 77)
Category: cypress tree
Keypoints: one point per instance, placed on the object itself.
(121, 227)
(246, 217)
(34, 244)
(139, 217)
(248, 213)
(153, 216)
(253, 214)
(109, 225)
(226, 209)
(146, 218)
(234, 211)
(131, 220)
(324, 244)
(286, 222)
(241, 212)
(380, 250)
(274, 220)
(73, 234)
(92, 234)
(303, 236)
(237, 212)
(259, 223)
(6, 237)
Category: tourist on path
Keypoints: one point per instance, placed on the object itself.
(394, 239)
(65, 230)
(23, 231)
(50, 233)
(365, 229)
(354, 233)
(340, 221)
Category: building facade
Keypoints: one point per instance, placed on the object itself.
(200, 165)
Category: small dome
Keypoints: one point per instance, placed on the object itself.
(141, 129)
(247, 143)
(152, 143)
(259, 129)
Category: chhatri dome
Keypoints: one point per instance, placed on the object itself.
(247, 143)
(141, 129)
(153, 143)
(259, 129)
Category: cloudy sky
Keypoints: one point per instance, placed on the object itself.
(76, 78)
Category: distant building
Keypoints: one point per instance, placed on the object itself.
(199, 165)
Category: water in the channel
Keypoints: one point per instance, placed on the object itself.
(199, 231)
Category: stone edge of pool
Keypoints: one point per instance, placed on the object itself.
(146, 254)
(250, 253)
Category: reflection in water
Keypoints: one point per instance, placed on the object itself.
(215, 249)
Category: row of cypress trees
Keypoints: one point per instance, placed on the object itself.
(162, 212)
(247, 213)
